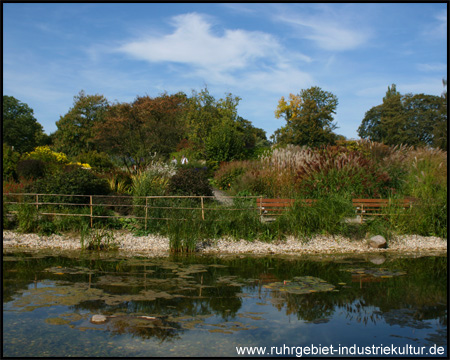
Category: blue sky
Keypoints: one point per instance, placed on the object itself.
(259, 52)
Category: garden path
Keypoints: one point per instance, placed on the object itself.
(222, 197)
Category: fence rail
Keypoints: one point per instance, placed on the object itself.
(91, 201)
(258, 204)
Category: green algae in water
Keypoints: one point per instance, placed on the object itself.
(301, 285)
(375, 272)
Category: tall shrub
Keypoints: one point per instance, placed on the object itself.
(190, 181)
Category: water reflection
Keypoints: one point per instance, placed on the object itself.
(167, 299)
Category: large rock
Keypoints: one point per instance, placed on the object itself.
(377, 242)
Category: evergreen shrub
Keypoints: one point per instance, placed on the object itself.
(78, 181)
(190, 181)
(31, 169)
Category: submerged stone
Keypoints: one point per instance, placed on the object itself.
(98, 319)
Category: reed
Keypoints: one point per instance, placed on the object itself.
(27, 218)
(98, 239)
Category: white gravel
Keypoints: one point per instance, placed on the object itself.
(152, 245)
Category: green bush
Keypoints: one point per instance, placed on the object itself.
(224, 143)
(78, 181)
(10, 160)
(27, 218)
(31, 169)
(191, 181)
(99, 161)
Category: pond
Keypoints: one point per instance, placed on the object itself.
(210, 305)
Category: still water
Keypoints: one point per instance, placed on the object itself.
(209, 305)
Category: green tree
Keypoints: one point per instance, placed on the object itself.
(224, 143)
(9, 164)
(20, 129)
(204, 113)
(135, 132)
(75, 129)
(440, 130)
(417, 120)
(309, 118)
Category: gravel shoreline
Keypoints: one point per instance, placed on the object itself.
(153, 245)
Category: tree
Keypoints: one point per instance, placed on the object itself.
(204, 113)
(75, 129)
(416, 120)
(224, 143)
(440, 131)
(20, 129)
(135, 132)
(309, 118)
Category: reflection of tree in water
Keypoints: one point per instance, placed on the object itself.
(309, 307)
(161, 328)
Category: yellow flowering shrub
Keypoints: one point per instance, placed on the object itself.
(84, 165)
(45, 154)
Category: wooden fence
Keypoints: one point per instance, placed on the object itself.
(263, 207)
(93, 201)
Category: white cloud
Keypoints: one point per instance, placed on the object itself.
(438, 28)
(194, 43)
(236, 59)
(327, 32)
(434, 67)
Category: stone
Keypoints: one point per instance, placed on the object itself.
(98, 319)
(377, 242)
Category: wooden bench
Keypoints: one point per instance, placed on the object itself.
(377, 207)
(276, 207)
(364, 207)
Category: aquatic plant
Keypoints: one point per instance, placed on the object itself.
(99, 239)
(27, 218)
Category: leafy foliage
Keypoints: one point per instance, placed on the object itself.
(9, 164)
(20, 129)
(75, 129)
(309, 118)
(190, 181)
(76, 181)
(45, 154)
(417, 120)
(31, 168)
(99, 161)
(224, 144)
(135, 131)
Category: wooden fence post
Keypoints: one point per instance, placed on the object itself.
(146, 211)
(37, 202)
(203, 210)
(90, 204)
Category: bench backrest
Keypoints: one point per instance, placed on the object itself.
(277, 206)
(378, 203)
